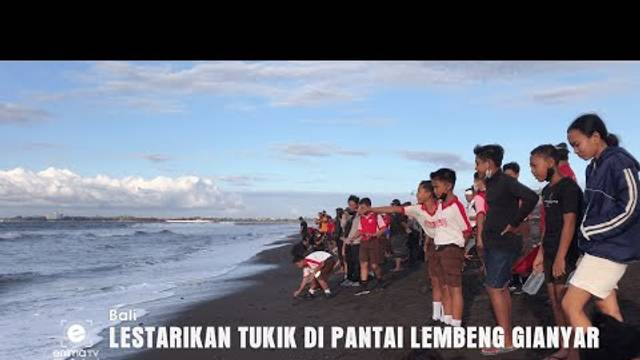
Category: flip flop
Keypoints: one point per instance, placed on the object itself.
(497, 351)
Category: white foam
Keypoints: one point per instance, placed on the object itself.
(30, 313)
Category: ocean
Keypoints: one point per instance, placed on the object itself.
(56, 274)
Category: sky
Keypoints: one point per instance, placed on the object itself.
(280, 139)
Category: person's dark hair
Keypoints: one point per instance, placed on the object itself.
(395, 202)
(354, 199)
(298, 251)
(469, 189)
(476, 176)
(563, 151)
(365, 201)
(444, 174)
(297, 258)
(493, 152)
(407, 203)
(588, 124)
(300, 218)
(547, 151)
(513, 166)
(428, 186)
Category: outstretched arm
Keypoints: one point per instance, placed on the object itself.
(387, 209)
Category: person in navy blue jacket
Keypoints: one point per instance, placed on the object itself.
(609, 233)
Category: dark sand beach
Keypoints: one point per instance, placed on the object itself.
(405, 302)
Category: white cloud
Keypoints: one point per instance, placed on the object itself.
(316, 150)
(241, 180)
(351, 121)
(156, 158)
(450, 160)
(164, 87)
(16, 113)
(570, 93)
(64, 188)
(42, 146)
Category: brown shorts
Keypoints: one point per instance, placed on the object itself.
(433, 261)
(450, 259)
(371, 251)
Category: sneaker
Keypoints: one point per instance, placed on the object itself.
(355, 284)
(363, 292)
(518, 291)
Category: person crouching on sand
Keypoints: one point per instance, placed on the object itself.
(316, 269)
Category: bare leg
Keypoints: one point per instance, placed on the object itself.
(556, 292)
(446, 300)
(501, 303)
(573, 304)
(364, 271)
(315, 284)
(398, 264)
(323, 283)
(457, 301)
(377, 270)
(436, 289)
(609, 306)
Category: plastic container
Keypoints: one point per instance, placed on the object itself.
(534, 283)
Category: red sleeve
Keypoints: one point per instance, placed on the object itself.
(463, 215)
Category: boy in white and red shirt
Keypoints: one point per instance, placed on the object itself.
(370, 229)
(425, 214)
(316, 268)
(452, 231)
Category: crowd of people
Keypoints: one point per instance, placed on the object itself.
(588, 236)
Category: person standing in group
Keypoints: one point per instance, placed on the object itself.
(351, 242)
(398, 237)
(337, 237)
(424, 213)
(509, 203)
(563, 203)
(303, 229)
(370, 228)
(610, 226)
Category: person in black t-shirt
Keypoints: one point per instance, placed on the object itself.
(563, 201)
(303, 228)
(509, 203)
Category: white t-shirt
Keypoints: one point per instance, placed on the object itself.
(471, 212)
(426, 219)
(451, 223)
(313, 261)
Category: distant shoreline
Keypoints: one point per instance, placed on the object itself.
(146, 219)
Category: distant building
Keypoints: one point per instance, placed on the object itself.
(55, 216)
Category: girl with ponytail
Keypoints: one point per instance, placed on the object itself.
(609, 231)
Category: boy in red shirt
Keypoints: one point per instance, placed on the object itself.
(370, 230)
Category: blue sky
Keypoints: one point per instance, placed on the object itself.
(279, 138)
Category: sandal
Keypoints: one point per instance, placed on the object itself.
(497, 351)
